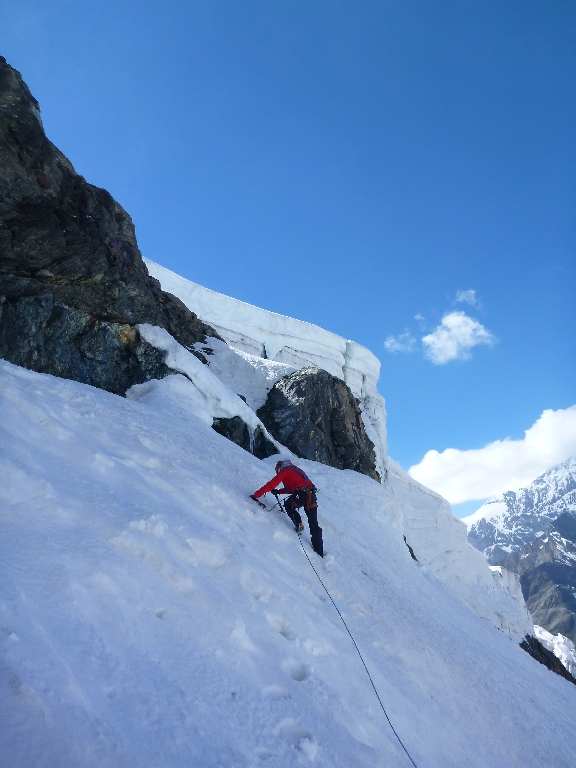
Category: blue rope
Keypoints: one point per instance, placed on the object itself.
(358, 651)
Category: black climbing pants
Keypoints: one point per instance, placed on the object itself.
(300, 499)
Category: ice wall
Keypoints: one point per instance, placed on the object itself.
(286, 340)
(439, 542)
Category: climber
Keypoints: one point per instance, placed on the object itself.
(302, 494)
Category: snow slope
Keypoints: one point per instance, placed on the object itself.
(425, 518)
(152, 615)
(268, 335)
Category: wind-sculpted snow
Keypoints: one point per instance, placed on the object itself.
(152, 615)
(270, 336)
(505, 523)
(247, 375)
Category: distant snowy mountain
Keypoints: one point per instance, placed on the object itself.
(507, 522)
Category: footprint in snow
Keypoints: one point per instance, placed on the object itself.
(211, 554)
(298, 737)
(240, 637)
(281, 626)
(275, 692)
(296, 670)
(256, 587)
(328, 562)
(317, 650)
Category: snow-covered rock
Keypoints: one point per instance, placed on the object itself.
(270, 336)
(561, 647)
(151, 614)
(505, 523)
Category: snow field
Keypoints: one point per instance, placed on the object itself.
(152, 615)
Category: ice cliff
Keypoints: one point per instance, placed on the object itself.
(270, 336)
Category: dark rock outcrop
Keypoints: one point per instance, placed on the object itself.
(236, 430)
(534, 647)
(547, 571)
(73, 284)
(412, 555)
(316, 416)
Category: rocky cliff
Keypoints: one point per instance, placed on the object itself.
(73, 284)
(75, 294)
(265, 337)
(547, 571)
(316, 416)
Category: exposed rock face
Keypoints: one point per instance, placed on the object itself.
(72, 281)
(507, 522)
(547, 571)
(534, 647)
(316, 416)
(236, 430)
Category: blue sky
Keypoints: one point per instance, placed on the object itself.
(355, 164)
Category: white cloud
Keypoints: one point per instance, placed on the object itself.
(454, 338)
(403, 343)
(468, 297)
(504, 465)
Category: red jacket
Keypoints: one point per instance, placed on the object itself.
(292, 481)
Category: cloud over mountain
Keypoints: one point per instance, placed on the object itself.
(502, 465)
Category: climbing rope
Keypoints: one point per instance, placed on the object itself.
(358, 651)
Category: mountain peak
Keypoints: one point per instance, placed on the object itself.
(506, 522)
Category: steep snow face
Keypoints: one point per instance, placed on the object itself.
(439, 542)
(152, 615)
(507, 522)
(427, 521)
(508, 580)
(266, 335)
